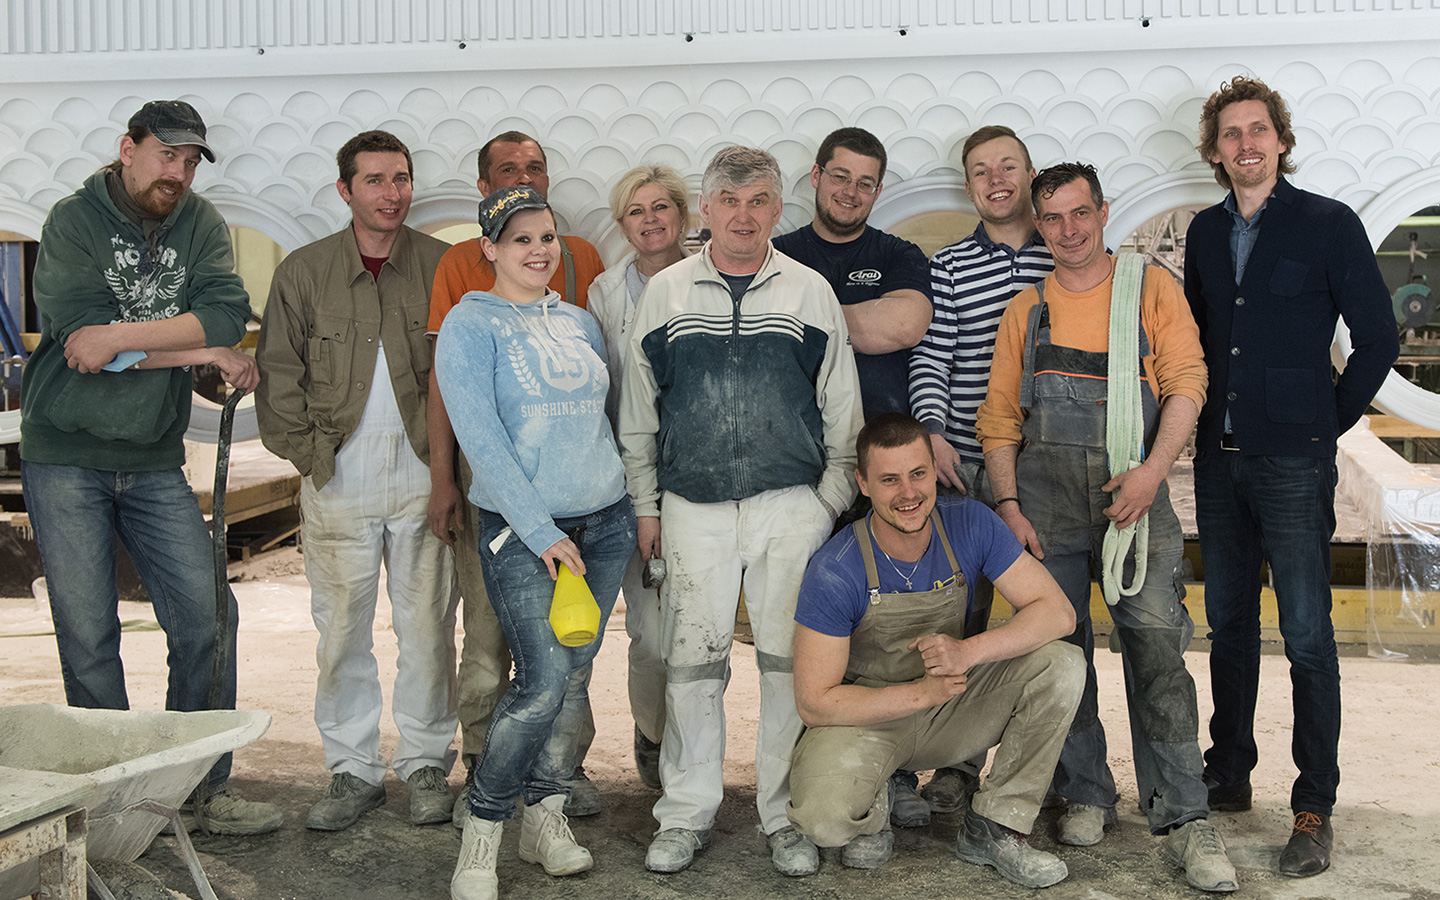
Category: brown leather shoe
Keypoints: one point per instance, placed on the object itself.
(1308, 851)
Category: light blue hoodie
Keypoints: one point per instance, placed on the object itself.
(525, 385)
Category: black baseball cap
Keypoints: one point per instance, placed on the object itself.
(496, 209)
(174, 123)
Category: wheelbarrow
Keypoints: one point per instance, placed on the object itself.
(136, 767)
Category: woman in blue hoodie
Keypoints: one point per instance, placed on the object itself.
(523, 375)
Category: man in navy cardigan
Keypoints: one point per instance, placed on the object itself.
(1267, 273)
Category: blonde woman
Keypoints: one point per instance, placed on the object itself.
(649, 205)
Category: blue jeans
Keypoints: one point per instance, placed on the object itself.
(78, 514)
(530, 747)
(1280, 509)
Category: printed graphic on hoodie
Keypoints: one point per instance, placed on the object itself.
(566, 360)
(141, 282)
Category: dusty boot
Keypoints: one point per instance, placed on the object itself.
(950, 790)
(345, 801)
(1084, 825)
(987, 843)
(907, 809)
(545, 838)
(430, 797)
(474, 877)
(868, 851)
(792, 853)
(226, 813)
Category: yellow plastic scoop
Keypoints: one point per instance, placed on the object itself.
(574, 614)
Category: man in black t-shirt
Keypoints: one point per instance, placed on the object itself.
(883, 282)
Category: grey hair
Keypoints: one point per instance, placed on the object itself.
(736, 166)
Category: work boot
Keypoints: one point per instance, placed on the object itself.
(950, 790)
(346, 800)
(986, 843)
(674, 848)
(868, 851)
(1198, 848)
(1308, 850)
(430, 797)
(225, 813)
(647, 760)
(1084, 825)
(461, 811)
(584, 796)
(1228, 797)
(907, 810)
(545, 838)
(792, 853)
(474, 877)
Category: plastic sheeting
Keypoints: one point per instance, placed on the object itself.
(204, 422)
(1401, 503)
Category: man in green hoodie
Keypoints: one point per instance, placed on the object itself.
(135, 282)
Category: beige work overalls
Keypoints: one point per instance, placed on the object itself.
(839, 774)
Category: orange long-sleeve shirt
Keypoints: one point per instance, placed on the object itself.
(1175, 366)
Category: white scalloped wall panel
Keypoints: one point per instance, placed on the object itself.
(1367, 117)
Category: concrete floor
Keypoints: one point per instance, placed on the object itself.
(1386, 821)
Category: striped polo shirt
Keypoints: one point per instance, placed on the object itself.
(972, 282)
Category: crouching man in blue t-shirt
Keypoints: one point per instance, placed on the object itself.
(885, 679)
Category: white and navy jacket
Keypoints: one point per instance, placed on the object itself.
(724, 400)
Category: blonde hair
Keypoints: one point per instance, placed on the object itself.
(650, 173)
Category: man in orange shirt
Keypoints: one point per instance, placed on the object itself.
(506, 160)
(1050, 391)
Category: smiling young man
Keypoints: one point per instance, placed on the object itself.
(737, 427)
(971, 282)
(509, 159)
(1050, 395)
(134, 263)
(885, 675)
(344, 358)
(879, 279)
(1274, 260)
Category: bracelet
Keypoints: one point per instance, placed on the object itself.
(1014, 500)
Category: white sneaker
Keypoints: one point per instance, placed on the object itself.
(474, 877)
(545, 838)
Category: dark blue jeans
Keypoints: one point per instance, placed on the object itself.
(530, 747)
(78, 514)
(1280, 509)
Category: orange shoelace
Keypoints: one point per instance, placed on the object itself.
(1308, 822)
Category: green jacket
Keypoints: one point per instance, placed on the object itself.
(89, 272)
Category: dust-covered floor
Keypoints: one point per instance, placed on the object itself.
(1386, 821)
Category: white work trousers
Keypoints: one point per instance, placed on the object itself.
(373, 511)
(711, 550)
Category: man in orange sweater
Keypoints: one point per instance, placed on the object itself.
(1042, 427)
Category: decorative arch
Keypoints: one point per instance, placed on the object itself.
(21, 218)
(1158, 195)
(1380, 216)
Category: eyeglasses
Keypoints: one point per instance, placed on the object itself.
(841, 182)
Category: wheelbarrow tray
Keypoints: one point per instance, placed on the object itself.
(126, 756)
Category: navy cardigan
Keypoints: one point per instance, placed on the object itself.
(1267, 340)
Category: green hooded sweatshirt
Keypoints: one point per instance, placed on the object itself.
(93, 269)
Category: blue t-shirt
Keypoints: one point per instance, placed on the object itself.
(834, 595)
(875, 263)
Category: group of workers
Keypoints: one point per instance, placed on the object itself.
(684, 426)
